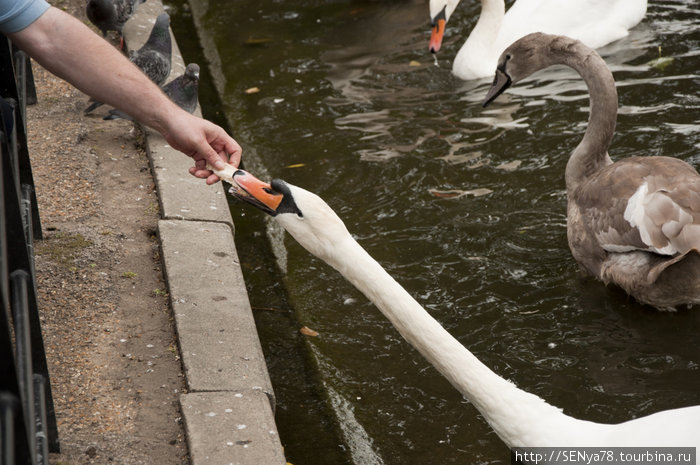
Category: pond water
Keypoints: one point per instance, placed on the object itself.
(350, 105)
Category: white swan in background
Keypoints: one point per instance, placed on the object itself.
(593, 22)
(519, 418)
(636, 222)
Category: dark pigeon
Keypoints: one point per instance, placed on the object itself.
(183, 90)
(111, 15)
(154, 58)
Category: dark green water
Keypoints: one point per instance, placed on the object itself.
(344, 112)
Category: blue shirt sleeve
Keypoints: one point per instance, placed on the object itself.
(15, 15)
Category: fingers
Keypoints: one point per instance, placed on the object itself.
(199, 173)
(218, 144)
(204, 174)
(213, 179)
(212, 157)
(234, 153)
(209, 144)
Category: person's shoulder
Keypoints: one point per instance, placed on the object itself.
(16, 15)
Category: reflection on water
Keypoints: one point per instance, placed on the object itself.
(464, 206)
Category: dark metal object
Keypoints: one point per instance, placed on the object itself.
(28, 429)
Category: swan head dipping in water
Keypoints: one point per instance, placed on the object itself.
(440, 12)
(634, 223)
(520, 419)
(593, 22)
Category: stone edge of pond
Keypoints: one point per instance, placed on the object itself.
(228, 406)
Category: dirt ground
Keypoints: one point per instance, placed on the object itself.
(108, 330)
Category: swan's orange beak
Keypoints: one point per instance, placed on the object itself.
(260, 194)
(436, 36)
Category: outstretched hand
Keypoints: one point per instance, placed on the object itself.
(205, 142)
(70, 50)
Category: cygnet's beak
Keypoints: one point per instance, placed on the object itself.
(500, 83)
(250, 189)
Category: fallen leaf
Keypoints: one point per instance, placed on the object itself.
(296, 165)
(308, 331)
(252, 90)
(257, 41)
(447, 194)
(478, 192)
(512, 166)
(457, 193)
(414, 63)
(660, 63)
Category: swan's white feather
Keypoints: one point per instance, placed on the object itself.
(521, 419)
(594, 22)
(664, 225)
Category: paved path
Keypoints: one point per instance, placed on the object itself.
(229, 405)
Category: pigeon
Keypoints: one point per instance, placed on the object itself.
(183, 90)
(111, 15)
(154, 58)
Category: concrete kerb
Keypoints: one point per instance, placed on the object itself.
(228, 408)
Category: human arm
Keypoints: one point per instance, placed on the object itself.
(70, 50)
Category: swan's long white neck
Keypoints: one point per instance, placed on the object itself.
(514, 414)
(478, 49)
(519, 418)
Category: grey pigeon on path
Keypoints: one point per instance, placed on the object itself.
(154, 58)
(183, 90)
(111, 15)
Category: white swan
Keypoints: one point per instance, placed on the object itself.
(519, 418)
(636, 222)
(593, 22)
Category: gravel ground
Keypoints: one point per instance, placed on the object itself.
(108, 330)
